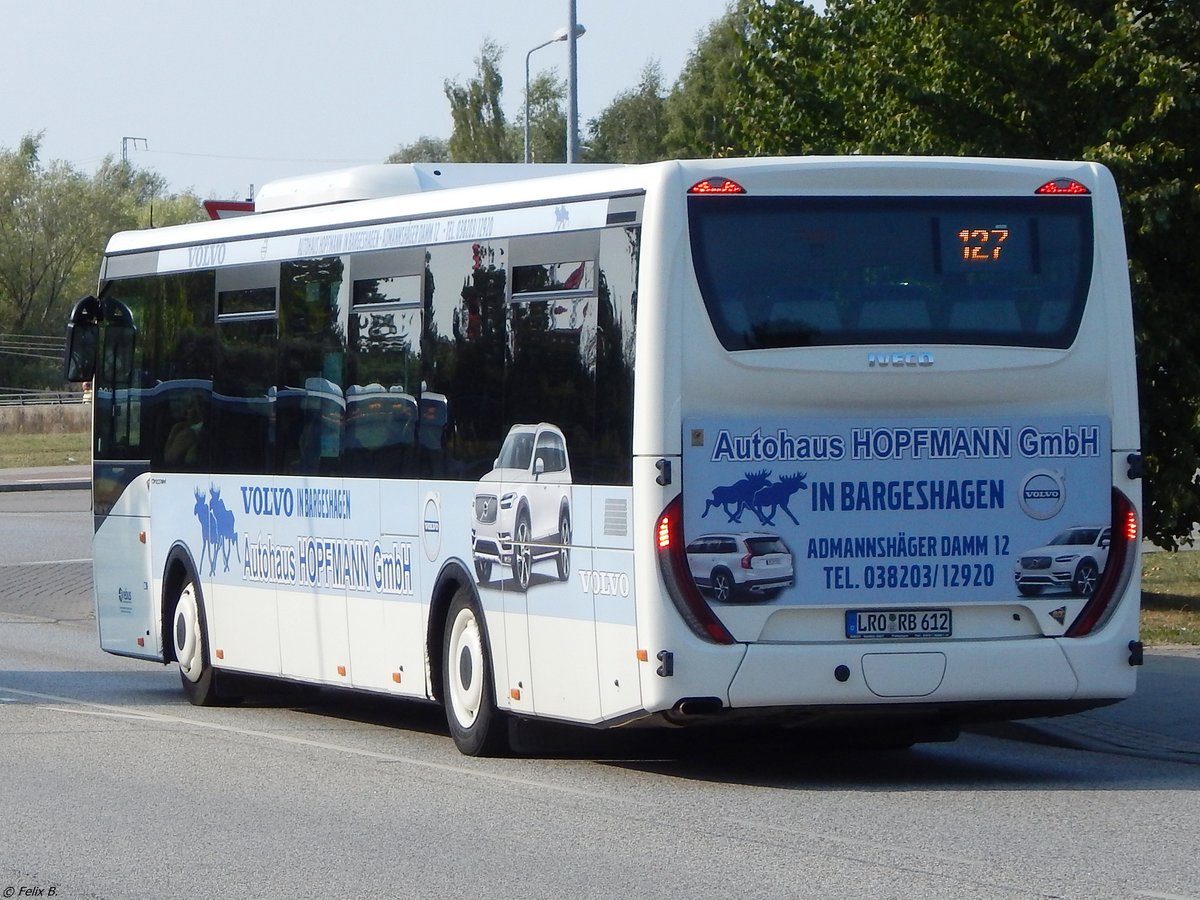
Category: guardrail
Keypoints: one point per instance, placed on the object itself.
(21, 397)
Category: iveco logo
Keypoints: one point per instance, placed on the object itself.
(899, 360)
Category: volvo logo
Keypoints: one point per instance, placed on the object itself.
(899, 360)
(431, 527)
(1043, 493)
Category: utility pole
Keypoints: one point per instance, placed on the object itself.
(126, 142)
(572, 86)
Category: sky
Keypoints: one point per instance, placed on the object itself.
(225, 95)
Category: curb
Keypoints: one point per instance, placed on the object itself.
(1082, 732)
(74, 484)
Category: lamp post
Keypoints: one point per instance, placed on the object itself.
(561, 35)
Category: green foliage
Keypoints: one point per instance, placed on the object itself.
(1116, 81)
(424, 149)
(633, 128)
(54, 223)
(481, 133)
(699, 109)
(547, 120)
(51, 229)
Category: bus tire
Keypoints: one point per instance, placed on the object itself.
(191, 647)
(476, 725)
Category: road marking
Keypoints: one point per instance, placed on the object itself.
(84, 707)
(865, 852)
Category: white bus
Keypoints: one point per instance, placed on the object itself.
(847, 443)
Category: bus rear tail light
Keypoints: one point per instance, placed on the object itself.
(1122, 554)
(672, 562)
(716, 186)
(1062, 186)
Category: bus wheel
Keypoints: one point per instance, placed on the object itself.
(191, 650)
(1086, 577)
(564, 555)
(478, 728)
(522, 564)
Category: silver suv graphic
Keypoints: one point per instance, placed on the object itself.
(734, 565)
(1074, 560)
(522, 508)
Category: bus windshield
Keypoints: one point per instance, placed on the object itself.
(813, 271)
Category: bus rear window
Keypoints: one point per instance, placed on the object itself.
(821, 271)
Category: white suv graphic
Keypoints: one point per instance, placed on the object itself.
(522, 508)
(746, 563)
(1073, 560)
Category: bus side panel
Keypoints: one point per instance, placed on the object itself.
(611, 582)
(314, 638)
(126, 617)
(204, 517)
(391, 653)
(561, 622)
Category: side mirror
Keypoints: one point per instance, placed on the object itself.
(539, 467)
(83, 336)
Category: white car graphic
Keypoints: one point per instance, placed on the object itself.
(522, 508)
(1073, 560)
(733, 565)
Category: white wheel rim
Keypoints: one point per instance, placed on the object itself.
(465, 666)
(523, 561)
(189, 644)
(723, 590)
(564, 535)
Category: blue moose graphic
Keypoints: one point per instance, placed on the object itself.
(216, 527)
(758, 493)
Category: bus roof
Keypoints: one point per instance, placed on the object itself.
(391, 180)
(372, 194)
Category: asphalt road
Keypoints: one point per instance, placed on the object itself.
(113, 786)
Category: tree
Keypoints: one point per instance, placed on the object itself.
(547, 119)
(700, 107)
(633, 127)
(1114, 81)
(54, 223)
(51, 230)
(481, 133)
(424, 149)
(140, 197)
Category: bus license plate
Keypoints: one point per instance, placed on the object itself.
(898, 623)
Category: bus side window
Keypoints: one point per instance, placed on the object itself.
(310, 403)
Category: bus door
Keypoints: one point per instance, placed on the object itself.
(104, 336)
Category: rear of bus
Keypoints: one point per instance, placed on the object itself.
(913, 379)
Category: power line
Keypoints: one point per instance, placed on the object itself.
(276, 159)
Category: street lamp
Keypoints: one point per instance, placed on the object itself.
(561, 35)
